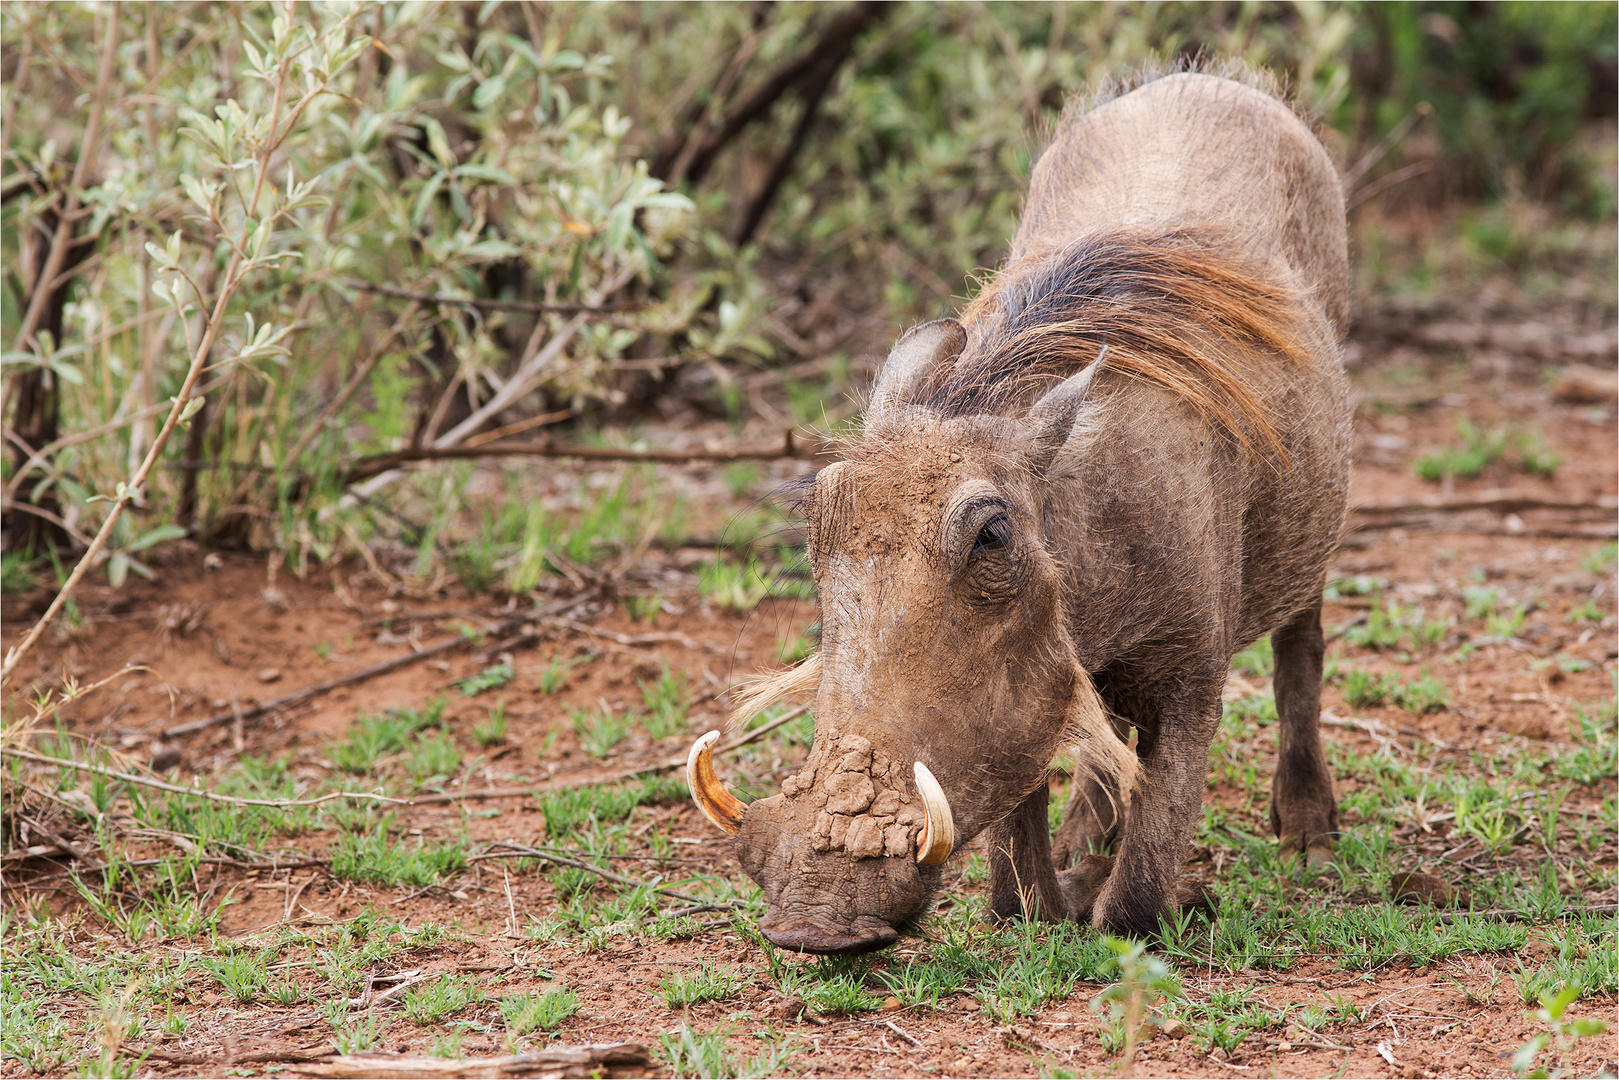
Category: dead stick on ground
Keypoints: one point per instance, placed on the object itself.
(320, 688)
(666, 765)
(586, 1060)
(518, 850)
(422, 800)
(147, 781)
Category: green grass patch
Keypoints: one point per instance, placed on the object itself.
(599, 730)
(490, 678)
(709, 1055)
(1477, 450)
(433, 1001)
(576, 810)
(529, 1012)
(373, 856)
(372, 737)
(706, 982)
(665, 701)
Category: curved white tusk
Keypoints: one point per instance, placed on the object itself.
(938, 837)
(717, 804)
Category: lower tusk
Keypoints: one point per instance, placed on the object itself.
(938, 837)
(717, 804)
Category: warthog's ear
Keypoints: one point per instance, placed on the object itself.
(918, 353)
(1051, 420)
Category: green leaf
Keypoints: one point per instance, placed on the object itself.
(418, 213)
(438, 142)
(490, 92)
(484, 172)
(156, 536)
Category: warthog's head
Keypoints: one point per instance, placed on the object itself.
(946, 679)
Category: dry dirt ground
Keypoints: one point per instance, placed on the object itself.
(1504, 595)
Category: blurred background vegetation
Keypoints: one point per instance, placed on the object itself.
(386, 232)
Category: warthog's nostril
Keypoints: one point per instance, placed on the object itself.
(938, 837)
(719, 805)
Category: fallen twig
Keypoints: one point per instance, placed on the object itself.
(636, 639)
(323, 688)
(1502, 501)
(146, 781)
(488, 302)
(1519, 915)
(365, 468)
(592, 1059)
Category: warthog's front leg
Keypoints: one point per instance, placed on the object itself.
(1303, 811)
(1022, 880)
(1145, 877)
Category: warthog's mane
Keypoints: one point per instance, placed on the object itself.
(1173, 309)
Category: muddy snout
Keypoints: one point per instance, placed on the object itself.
(824, 899)
(846, 852)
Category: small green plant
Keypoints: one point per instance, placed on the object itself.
(551, 678)
(372, 737)
(708, 1055)
(1601, 560)
(1560, 1030)
(708, 982)
(1358, 586)
(430, 1002)
(242, 975)
(1364, 690)
(372, 855)
(1596, 731)
(433, 758)
(490, 678)
(665, 702)
(1483, 815)
(1534, 456)
(1504, 625)
(358, 1035)
(1390, 626)
(1424, 695)
(1479, 601)
(731, 585)
(1480, 448)
(492, 728)
(524, 1013)
(599, 730)
(1585, 611)
(1143, 981)
(643, 608)
(740, 478)
(17, 573)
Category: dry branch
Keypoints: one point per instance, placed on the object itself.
(488, 302)
(667, 765)
(1502, 501)
(366, 468)
(315, 691)
(836, 40)
(147, 781)
(592, 1059)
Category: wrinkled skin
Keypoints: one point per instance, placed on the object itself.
(974, 564)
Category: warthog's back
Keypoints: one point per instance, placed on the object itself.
(1195, 150)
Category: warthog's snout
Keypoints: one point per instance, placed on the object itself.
(844, 853)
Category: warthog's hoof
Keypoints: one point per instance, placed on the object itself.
(1083, 884)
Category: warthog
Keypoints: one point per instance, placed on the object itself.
(1064, 514)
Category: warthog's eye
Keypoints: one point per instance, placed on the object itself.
(994, 534)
